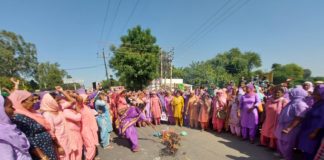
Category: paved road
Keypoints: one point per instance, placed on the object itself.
(196, 146)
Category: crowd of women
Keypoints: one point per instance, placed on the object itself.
(71, 124)
(286, 120)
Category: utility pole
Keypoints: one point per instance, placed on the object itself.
(104, 58)
(161, 59)
(170, 59)
(165, 71)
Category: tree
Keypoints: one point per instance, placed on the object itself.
(106, 84)
(235, 63)
(275, 66)
(136, 60)
(18, 58)
(253, 60)
(49, 75)
(5, 83)
(307, 73)
(179, 72)
(283, 72)
(71, 86)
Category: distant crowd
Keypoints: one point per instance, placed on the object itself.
(71, 124)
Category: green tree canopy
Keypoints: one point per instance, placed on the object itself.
(49, 75)
(230, 65)
(136, 60)
(283, 72)
(18, 57)
(307, 74)
(179, 72)
(236, 62)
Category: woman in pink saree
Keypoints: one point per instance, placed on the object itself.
(54, 115)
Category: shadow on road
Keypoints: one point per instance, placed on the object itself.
(238, 144)
(122, 142)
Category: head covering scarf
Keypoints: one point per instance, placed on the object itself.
(297, 96)
(49, 104)
(17, 97)
(221, 95)
(260, 95)
(84, 97)
(320, 90)
(252, 88)
(81, 91)
(9, 132)
(41, 94)
(311, 88)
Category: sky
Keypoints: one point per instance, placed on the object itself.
(72, 32)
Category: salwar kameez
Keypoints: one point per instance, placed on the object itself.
(218, 103)
(272, 111)
(178, 106)
(249, 120)
(234, 120)
(204, 113)
(193, 109)
(168, 106)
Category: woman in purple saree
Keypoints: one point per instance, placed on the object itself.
(127, 121)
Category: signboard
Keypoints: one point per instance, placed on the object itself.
(70, 80)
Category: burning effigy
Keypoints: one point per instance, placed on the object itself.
(171, 141)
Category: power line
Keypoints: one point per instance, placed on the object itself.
(114, 19)
(203, 25)
(223, 14)
(131, 15)
(86, 67)
(104, 22)
(212, 27)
